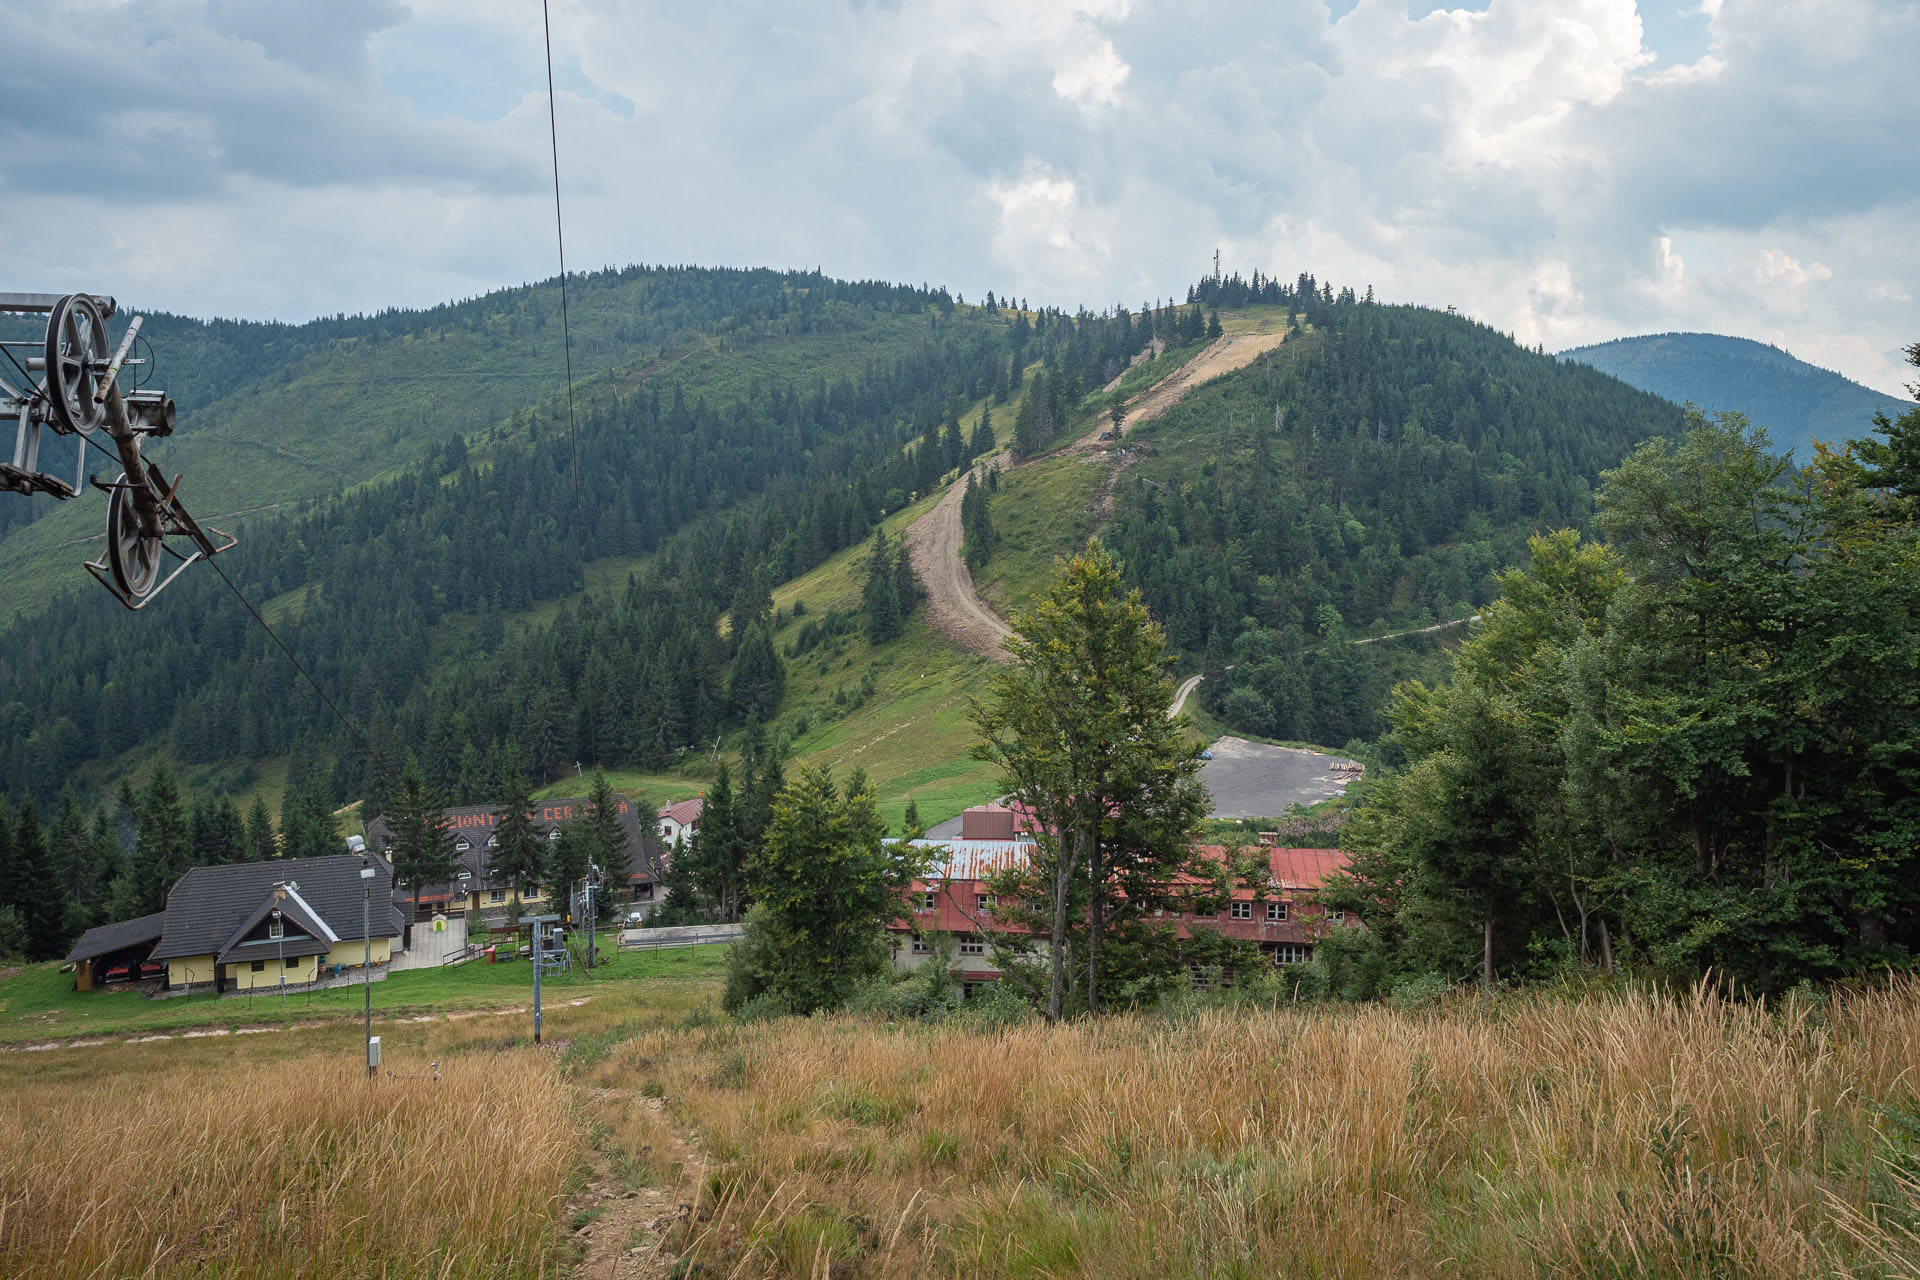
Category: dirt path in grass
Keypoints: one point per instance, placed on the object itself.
(630, 1232)
(954, 608)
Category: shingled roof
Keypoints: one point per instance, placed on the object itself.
(209, 907)
(101, 939)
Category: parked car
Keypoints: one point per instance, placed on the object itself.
(635, 919)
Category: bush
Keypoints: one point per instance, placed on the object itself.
(999, 1005)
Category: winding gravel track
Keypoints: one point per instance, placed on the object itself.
(954, 608)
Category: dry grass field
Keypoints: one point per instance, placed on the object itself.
(1619, 1135)
(1607, 1134)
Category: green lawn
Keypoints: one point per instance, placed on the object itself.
(39, 1003)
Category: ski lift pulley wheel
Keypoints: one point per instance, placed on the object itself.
(133, 550)
(76, 350)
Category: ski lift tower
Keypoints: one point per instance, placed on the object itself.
(66, 382)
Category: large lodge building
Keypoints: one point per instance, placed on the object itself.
(474, 838)
(1282, 917)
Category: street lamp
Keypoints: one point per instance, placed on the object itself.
(366, 964)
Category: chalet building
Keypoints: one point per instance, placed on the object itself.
(1282, 916)
(680, 819)
(474, 839)
(250, 925)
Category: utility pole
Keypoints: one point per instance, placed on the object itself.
(539, 924)
(366, 963)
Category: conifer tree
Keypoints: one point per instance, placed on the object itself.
(43, 900)
(259, 844)
(423, 851)
(160, 851)
(520, 856)
(880, 602)
(106, 866)
(824, 886)
(982, 442)
(757, 678)
(71, 846)
(606, 838)
(308, 828)
(13, 872)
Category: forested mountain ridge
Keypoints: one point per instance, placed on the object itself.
(1796, 402)
(1373, 475)
(717, 482)
(276, 414)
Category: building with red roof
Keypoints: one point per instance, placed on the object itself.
(1282, 915)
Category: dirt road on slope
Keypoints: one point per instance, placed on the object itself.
(1224, 356)
(954, 608)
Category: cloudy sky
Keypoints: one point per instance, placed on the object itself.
(1568, 170)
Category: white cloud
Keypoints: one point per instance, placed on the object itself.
(1532, 163)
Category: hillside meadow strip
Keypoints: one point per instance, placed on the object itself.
(1622, 1134)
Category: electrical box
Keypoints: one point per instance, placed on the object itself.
(373, 1053)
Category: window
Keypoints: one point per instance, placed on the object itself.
(1336, 917)
(276, 929)
(461, 845)
(972, 944)
(983, 902)
(553, 835)
(1205, 913)
(1292, 953)
(259, 966)
(291, 962)
(1276, 911)
(920, 947)
(498, 895)
(923, 901)
(493, 842)
(1243, 911)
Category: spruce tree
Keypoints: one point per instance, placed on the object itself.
(307, 826)
(43, 898)
(70, 841)
(259, 844)
(607, 838)
(106, 866)
(13, 872)
(983, 434)
(423, 851)
(519, 857)
(880, 602)
(160, 852)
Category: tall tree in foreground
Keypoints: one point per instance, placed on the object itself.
(1078, 725)
(824, 887)
(1695, 748)
(422, 842)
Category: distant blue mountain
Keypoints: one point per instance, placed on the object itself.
(1796, 402)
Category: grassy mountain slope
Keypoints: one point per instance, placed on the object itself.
(1796, 402)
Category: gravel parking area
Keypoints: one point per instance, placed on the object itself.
(1254, 780)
